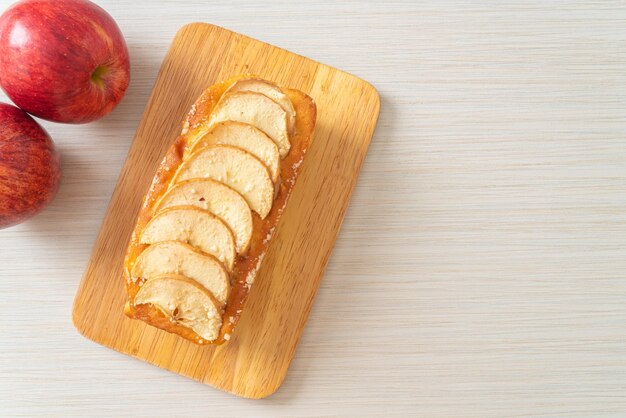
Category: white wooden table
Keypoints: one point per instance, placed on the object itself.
(481, 268)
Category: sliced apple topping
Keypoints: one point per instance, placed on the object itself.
(258, 110)
(194, 226)
(183, 301)
(175, 257)
(246, 137)
(218, 199)
(272, 91)
(237, 169)
(230, 168)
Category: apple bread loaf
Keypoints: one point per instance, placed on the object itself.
(215, 200)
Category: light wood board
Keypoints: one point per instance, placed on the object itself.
(255, 361)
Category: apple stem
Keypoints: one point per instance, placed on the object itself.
(98, 76)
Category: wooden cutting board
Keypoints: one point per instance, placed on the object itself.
(254, 362)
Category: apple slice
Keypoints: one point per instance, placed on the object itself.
(174, 257)
(218, 199)
(272, 91)
(197, 227)
(258, 110)
(237, 169)
(246, 137)
(185, 302)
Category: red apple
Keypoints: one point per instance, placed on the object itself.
(62, 60)
(29, 166)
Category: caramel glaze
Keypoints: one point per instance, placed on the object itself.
(246, 265)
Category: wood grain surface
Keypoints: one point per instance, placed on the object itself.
(254, 362)
(479, 271)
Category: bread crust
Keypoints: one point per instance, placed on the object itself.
(246, 265)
